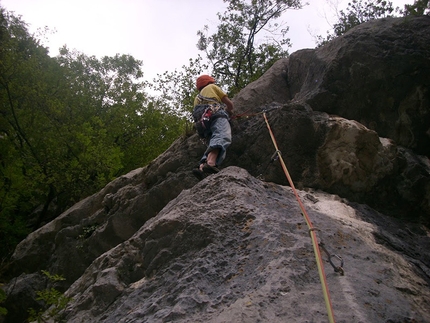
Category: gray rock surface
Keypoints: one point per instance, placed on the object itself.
(377, 74)
(236, 249)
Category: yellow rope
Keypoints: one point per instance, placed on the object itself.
(311, 228)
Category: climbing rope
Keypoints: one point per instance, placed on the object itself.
(312, 231)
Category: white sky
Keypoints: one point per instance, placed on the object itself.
(160, 33)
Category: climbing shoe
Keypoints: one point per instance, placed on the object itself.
(199, 174)
(210, 169)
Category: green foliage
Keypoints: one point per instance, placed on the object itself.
(53, 302)
(22, 76)
(68, 126)
(419, 8)
(176, 90)
(136, 128)
(357, 12)
(86, 233)
(53, 277)
(236, 56)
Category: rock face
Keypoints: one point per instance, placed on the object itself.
(351, 120)
(376, 74)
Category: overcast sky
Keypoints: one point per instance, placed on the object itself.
(160, 33)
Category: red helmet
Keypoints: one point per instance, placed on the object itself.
(204, 80)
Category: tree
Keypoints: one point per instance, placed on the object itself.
(236, 56)
(419, 8)
(68, 126)
(24, 86)
(357, 12)
(175, 91)
(105, 100)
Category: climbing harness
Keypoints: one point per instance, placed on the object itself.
(205, 113)
(312, 233)
(203, 119)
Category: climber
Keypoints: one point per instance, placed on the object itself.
(212, 111)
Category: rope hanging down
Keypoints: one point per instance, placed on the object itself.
(311, 228)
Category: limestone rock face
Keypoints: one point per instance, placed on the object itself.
(351, 123)
(376, 74)
(242, 253)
